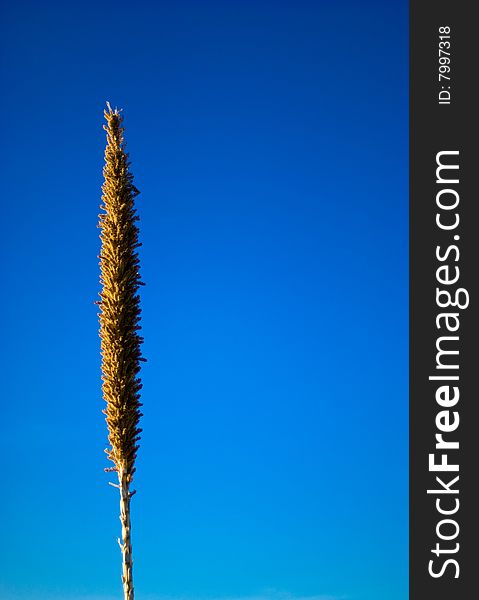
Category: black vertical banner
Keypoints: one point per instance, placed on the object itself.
(444, 332)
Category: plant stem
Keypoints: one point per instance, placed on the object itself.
(125, 545)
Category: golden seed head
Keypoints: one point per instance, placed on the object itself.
(119, 300)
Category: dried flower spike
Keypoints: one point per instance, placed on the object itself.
(119, 324)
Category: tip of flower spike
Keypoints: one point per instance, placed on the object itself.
(111, 111)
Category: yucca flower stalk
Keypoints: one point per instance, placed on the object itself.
(119, 325)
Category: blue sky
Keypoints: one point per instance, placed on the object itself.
(269, 143)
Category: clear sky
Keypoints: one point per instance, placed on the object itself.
(269, 142)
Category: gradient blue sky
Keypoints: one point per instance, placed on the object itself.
(269, 141)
